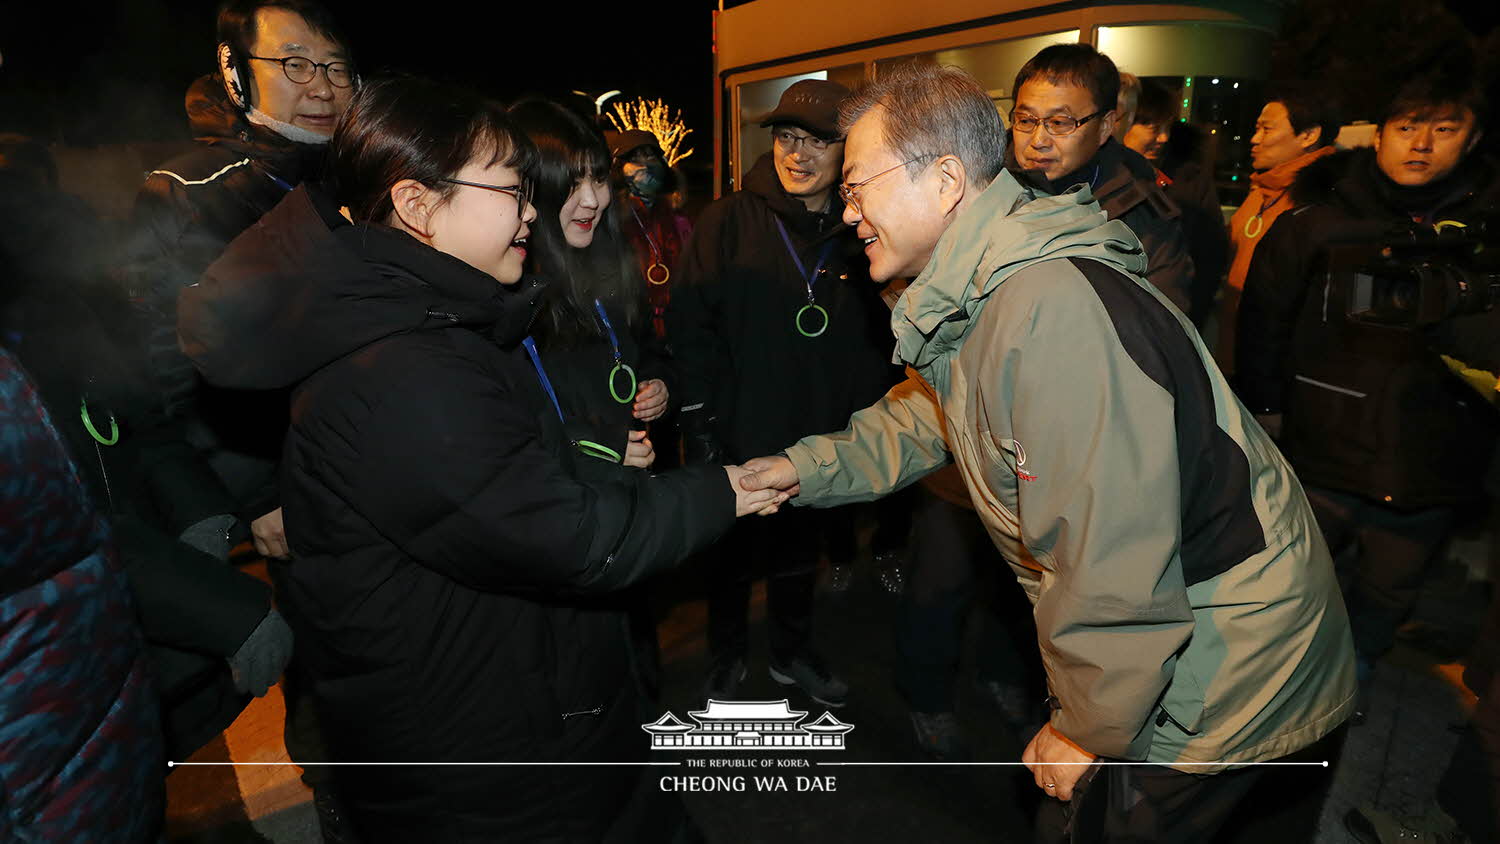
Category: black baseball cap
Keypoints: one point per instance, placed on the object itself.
(812, 104)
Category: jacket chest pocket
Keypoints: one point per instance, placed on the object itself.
(1001, 466)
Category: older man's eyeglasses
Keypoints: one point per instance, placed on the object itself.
(302, 70)
(520, 193)
(848, 191)
(790, 141)
(1058, 125)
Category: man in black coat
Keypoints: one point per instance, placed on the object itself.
(261, 124)
(261, 121)
(1388, 442)
(1061, 129)
(777, 334)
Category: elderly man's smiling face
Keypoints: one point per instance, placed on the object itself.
(897, 208)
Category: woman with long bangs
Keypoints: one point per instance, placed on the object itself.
(593, 337)
(455, 554)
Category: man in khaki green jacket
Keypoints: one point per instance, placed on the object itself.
(1186, 606)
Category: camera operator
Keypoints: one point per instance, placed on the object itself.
(1386, 440)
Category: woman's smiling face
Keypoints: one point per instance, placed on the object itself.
(583, 209)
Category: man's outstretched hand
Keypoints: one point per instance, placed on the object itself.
(776, 473)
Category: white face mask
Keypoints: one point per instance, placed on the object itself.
(285, 130)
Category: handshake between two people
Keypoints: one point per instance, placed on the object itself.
(762, 485)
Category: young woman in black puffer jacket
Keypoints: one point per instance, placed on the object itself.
(454, 549)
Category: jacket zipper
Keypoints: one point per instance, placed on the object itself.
(1165, 716)
(619, 543)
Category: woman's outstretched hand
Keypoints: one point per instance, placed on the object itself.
(761, 501)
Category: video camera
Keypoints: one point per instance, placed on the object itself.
(1415, 276)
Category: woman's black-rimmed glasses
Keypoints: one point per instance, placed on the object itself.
(520, 193)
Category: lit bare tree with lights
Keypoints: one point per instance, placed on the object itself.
(655, 117)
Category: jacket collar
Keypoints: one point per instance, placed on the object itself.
(215, 121)
(304, 287)
(1007, 229)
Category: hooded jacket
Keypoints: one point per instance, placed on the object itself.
(746, 373)
(1125, 185)
(454, 555)
(1185, 603)
(1369, 410)
(185, 214)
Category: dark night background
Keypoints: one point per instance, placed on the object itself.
(81, 74)
(90, 73)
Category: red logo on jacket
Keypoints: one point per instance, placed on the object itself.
(1020, 462)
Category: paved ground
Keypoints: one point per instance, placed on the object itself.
(1393, 761)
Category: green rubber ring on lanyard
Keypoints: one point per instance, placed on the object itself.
(114, 429)
(603, 452)
(630, 395)
(815, 308)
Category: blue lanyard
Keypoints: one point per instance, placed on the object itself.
(628, 395)
(541, 374)
(587, 447)
(807, 278)
(280, 182)
(609, 329)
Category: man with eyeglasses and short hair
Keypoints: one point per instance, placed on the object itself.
(1061, 135)
(209, 456)
(261, 123)
(776, 335)
(1187, 612)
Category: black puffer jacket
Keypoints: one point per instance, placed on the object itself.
(1368, 410)
(186, 213)
(454, 556)
(731, 323)
(1124, 184)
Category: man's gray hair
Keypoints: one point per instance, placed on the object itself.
(932, 111)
